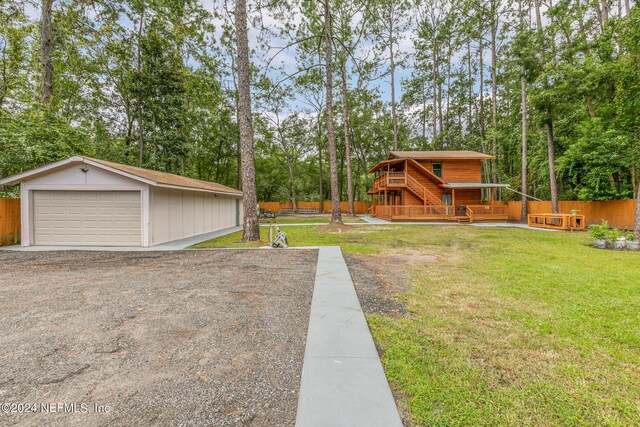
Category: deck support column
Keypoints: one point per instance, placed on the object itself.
(453, 201)
(492, 201)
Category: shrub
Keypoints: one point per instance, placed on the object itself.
(599, 231)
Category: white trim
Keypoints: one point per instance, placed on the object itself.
(75, 187)
(119, 172)
(15, 179)
(25, 217)
(144, 217)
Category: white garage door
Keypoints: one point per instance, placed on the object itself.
(110, 218)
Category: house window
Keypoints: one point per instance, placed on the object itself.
(446, 199)
(437, 169)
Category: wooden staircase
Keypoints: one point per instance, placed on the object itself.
(424, 194)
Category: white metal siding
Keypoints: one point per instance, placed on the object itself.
(88, 218)
(176, 214)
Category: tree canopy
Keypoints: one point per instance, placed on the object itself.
(154, 83)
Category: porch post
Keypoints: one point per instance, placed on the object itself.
(453, 200)
(491, 200)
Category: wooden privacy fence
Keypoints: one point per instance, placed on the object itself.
(619, 213)
(359, 207)
(9, 222)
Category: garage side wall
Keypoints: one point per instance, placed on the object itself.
(177, 214)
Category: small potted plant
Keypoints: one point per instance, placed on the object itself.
(632, 243)
(618, 239)
(599, 233)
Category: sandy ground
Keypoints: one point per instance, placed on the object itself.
(378, 280)
(181, 338)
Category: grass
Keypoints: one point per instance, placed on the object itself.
(506, 327)
(309, 219)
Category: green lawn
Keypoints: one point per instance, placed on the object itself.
(506, 326)
(309, 219)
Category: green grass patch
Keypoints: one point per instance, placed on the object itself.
(506, 326)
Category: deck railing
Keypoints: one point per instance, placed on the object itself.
(477, 212)
(389, 179)
(482, 210)
(409, 211)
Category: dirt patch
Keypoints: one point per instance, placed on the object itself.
(336, 228)
(197, 337)
(380, 279)
(374, 228)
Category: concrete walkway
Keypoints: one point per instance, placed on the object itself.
(343, 383)
(379, 221)
(176, 245)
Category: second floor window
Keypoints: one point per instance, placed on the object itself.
(437, 169)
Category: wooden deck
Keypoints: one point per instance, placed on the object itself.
(440, 213)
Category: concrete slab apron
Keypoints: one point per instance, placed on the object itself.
(343, 383)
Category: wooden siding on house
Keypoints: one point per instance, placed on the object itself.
(471, 196)
(467, 170)
(426, 182)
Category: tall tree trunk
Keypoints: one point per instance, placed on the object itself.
(440, 115)
(636, 226)
(435, 92)
(292, 188)
(494, 95)
(605, 12)
(481, 71)
(251, 228)
(424, 116)
(347, 142)
(139, 69)
(46, 52)
(553, 182)
(234, 75)
(320, 189)
(447, 120)
(523, 107)
(470, 113)
(336, 216)
(392, 68)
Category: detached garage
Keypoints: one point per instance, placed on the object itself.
(82, 201)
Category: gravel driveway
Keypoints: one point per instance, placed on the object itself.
(191, 337)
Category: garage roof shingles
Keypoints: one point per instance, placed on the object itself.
(163, 178)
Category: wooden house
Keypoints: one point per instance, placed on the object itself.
(434, 186)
